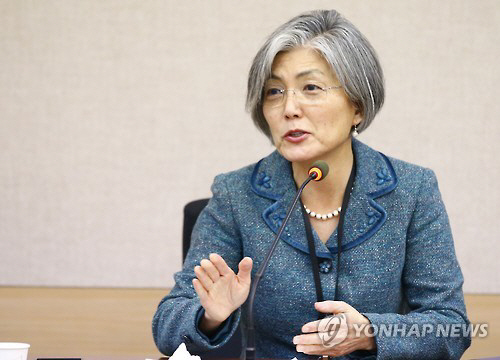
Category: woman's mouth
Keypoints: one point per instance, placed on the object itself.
(296, 136)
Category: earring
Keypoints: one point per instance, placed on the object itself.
(355, 131)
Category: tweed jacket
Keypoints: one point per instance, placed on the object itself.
(397, 254)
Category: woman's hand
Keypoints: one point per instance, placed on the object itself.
(221, 291)
(318, 338)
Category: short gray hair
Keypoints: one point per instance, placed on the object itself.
(348, 52)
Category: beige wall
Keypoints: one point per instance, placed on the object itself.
(103, 103)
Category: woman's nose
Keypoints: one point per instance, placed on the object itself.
(292, 107)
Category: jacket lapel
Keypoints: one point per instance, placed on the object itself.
(375, 177)
(272, 179)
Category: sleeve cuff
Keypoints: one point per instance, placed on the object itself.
(221, 333)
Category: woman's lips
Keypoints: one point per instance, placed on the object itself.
(296, 136)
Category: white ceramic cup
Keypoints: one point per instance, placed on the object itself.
(13, 351)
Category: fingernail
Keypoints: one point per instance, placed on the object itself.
(299, 348)
(295, 340)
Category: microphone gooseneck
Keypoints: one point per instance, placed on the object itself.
(317, 172)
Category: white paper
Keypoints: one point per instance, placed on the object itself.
(181, 353)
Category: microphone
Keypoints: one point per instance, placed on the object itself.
(317, 172)
(319, 169)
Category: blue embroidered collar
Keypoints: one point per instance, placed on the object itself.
(272, 178)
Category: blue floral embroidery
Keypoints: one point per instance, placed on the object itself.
(383, 176)
(279, 217)
(264, 180)
(372, 216)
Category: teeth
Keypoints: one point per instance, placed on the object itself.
(296, 133)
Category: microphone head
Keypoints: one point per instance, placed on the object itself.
(319, 170)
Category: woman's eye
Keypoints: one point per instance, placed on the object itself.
(312, 88)
(273, 92)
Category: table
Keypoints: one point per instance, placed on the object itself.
(108, 357)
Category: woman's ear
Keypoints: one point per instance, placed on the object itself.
(358, 117)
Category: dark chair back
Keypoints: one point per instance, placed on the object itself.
(192, 210)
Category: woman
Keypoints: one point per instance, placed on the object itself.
(313, 86)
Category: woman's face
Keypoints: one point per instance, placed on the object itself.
(305, 130)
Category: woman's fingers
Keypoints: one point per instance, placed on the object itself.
(210, 269)
(333, 335)
(323, 325)
(203, 277)
(220, 264)
(216, 274)
(200, 290)
(245, 270)
(311, 339)
(321, 337)
(311, 327)
(333, 307)
(311, 349)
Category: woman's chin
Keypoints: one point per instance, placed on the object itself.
(298, 156)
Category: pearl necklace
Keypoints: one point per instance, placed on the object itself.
(330, 215)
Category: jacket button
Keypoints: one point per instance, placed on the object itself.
(187, 339)
(325, 266)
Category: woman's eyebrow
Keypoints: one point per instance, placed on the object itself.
(300, 74)
(309, 72)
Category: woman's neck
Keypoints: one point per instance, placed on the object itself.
(327, 194)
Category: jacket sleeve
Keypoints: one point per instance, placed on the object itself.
(177, 316)
(432, 282)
